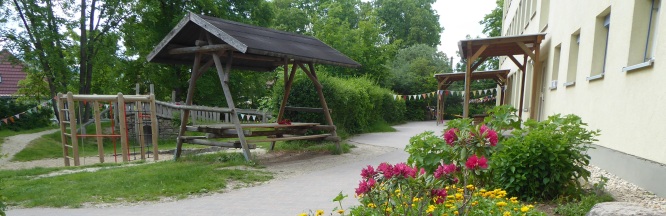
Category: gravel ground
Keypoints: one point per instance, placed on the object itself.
(624, 191)
(15, 144)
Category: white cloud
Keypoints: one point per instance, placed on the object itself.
(460, 18)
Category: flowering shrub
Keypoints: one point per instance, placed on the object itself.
(401, 189)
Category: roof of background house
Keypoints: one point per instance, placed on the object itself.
(256, 48)
(10, 74)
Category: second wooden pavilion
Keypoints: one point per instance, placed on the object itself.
(203, 42)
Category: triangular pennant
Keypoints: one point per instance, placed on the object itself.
(419, 96)
(11, 119)
(446, 93)
(247, 117)
(404, 97)
(17, 116)
(424, 95)
(242, 116)
(5, 120)
(473, 93)
(394, 97)
(254, 117)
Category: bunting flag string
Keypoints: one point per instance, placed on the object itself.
(12, 118)
(439, 93)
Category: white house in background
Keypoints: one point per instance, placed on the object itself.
(604, 60)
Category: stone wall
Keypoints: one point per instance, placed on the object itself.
(166, 129)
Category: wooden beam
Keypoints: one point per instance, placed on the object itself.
(200, 49)
(526, 50)
(185, 114)
(468, 80)
(522, 89)
(478, 52)
(478, 63)
(327, 114)
(515, 61)
(306, 109)
(536, 83)
(218, 144)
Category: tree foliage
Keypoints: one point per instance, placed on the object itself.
(409, 22)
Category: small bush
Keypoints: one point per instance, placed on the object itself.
(29, 118)
(545, 159)
(428, 151)
(356, 103)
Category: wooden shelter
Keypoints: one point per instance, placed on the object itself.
(205, 41)
(476, 51)
(444, 81)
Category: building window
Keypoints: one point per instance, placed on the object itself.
(0, 78)
(573, 60)
(545, 12)
(643, 34)
(601, 33)
(556, 66)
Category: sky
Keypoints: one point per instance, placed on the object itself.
(460, 18)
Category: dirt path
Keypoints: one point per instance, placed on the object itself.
(15, 144)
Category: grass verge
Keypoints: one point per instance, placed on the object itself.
(195, 174)
(8, 133)
(582, 206)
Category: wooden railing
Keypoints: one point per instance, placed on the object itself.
(204, 114)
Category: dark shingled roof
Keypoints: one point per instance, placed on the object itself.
(257, 48)
(10, 75)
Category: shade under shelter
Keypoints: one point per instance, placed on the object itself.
(477, 51)
(444, 81)
(204, 41)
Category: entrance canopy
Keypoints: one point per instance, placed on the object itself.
(476, 51)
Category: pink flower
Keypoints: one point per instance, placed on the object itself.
(368, 173)
(488, 133)
(404, 170)
(450, 136)
(439, 195)
(444, 170)
(386, 169)
(365, 186)
(474, 162)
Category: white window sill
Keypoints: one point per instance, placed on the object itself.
(595, 77)
(569, 84)
(638, 66)
(553, 88)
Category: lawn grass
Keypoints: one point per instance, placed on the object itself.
(195, 174)
(583, 205)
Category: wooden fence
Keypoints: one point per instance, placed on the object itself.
(203, 114)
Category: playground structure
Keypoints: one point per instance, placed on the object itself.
(203, 41)
(68, 116)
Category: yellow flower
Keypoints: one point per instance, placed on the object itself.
(455, 212)
(341, 211)
(416, 199)
(501, 204)
(303, 214)
(449, 206)
(389, 209)
(459, 196)
(524, 209)
(397, 191)
(431, 208)
(371, 205)
(475, 203)
(319, 212)
(506, 213)
(482, 190)
(471, 187)
(450, 197)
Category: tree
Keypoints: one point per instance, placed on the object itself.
(492, 27)
(409, 22)
(413, 68)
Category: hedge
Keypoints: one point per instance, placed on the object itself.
(29, 118)
(356, 103)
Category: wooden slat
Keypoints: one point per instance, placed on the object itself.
(265, 125)
(307, 109)
(192, 137)
(69, 146)
(218, 144)
(287, 138)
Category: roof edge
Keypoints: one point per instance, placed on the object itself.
(196, 19)
(160, 46)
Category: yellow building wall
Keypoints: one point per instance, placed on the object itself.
(628, 107)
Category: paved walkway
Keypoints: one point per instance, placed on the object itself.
(291, 196)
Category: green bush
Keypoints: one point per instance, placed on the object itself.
(356, 103)
(428, 151)
(545, 160)
(29, 118)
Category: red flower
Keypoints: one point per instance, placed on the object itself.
(444, 170)
(404, 170)
(365, 186)
(450, 136)
(368, 173)
(474, 162)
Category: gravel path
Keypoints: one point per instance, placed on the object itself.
(15, 144)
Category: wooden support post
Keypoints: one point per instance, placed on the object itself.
(223, 74)
(439, 103)
(313, 76)
(154, 126)
(72, 128)
(98, 131)
(139, 126)
(287, 87)
(185, 114)
(468, 81)
(63, 138)
(123, 127)
(522, 88)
